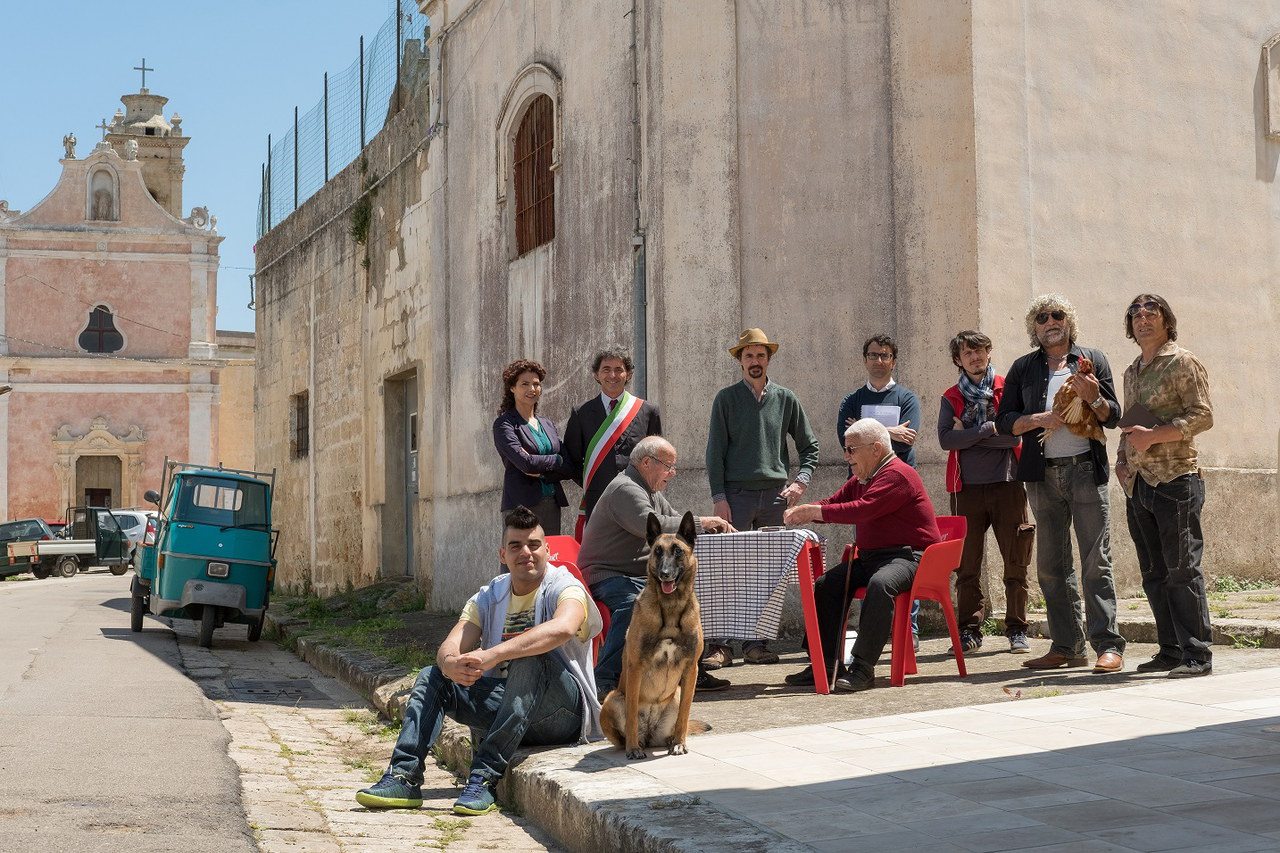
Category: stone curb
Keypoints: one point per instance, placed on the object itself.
(1226, 632)
(586, 801)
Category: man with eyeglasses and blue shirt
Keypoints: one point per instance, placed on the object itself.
(897, 407)
(1066, 477)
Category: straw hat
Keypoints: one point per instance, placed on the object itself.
(752, 336)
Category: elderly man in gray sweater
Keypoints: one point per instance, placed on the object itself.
(615, 549)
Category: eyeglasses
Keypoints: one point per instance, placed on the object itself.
(848, 451)
(670, 468)
(1147, 307)
(879, 356)
(1043, 316)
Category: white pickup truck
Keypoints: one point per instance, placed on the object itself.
(100, 542)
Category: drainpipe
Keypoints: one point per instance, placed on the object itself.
(640, 283)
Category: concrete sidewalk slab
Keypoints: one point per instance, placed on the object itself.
(1005, 759)
(1121, 776)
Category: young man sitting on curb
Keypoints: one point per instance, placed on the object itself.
(517, 666)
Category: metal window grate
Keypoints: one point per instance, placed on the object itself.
(534, 181)
(301, 425)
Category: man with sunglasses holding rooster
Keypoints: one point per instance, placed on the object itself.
(1058, 398)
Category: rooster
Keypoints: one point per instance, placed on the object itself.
(1077, 415)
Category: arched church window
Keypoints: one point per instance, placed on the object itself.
(535, 188)
(102, 197)
(101, 335)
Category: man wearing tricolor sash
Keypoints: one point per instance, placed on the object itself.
(602, 431)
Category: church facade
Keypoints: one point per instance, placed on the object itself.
(107, 308)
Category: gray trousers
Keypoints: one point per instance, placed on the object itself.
(1067, 500)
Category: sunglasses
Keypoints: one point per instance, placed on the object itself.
(1147, 307)
(1043, 316)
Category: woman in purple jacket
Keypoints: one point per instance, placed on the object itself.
(530, 447)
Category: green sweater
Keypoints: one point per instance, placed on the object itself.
(747, 441)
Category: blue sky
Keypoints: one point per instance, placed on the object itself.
(234, 70)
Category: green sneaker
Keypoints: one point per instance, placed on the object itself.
(476, 799)
(391, 792)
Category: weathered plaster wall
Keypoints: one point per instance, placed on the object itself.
(1115, 157)
(49, 300)
(235, 400)
(439, 238)
(823, 170)
(34, 417)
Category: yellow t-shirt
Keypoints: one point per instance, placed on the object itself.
(520, 612)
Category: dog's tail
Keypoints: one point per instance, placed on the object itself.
(698, 727)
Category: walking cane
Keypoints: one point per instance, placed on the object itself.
(844, 622)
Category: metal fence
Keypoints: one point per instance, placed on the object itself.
(352, 109)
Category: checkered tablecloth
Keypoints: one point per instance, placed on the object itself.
(742, 580)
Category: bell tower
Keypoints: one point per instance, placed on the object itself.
(159, 143)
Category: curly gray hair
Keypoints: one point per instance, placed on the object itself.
(1052, 302)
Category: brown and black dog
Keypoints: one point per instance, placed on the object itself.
(650, 707)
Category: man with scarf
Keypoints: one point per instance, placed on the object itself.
(982, 479)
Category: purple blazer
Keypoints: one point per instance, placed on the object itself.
(520, 457)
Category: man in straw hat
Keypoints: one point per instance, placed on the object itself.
(748, 463)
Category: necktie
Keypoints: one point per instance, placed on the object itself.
(613, 404)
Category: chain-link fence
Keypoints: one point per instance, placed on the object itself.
(323, 140)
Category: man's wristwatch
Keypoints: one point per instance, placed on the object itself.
(1097, 401)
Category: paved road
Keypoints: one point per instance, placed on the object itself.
(113, 741)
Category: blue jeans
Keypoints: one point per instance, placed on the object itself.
(1164, 522)
(1070, 499)
(538, 704)
(619, 594)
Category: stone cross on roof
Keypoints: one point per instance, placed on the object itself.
(104, 127)
(144, 69)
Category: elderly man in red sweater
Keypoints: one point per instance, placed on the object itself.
(886, 501)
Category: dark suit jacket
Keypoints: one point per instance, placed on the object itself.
(520, 456)
(1026, 392)
(584, 420)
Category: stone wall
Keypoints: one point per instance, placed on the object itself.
(825, 171)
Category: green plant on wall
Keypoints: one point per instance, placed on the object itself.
(362, 210)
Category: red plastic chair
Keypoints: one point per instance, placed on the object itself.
(597, 642)
(932, 583)
(563, 549)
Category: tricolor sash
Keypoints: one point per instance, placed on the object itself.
(602, 444)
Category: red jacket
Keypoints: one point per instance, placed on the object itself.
(891, 511)
(953, 396)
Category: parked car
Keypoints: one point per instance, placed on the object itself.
(134, 524)
(59, 528)
(24, 530)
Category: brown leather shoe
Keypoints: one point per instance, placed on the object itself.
(1109, 662)
(1055, 660)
